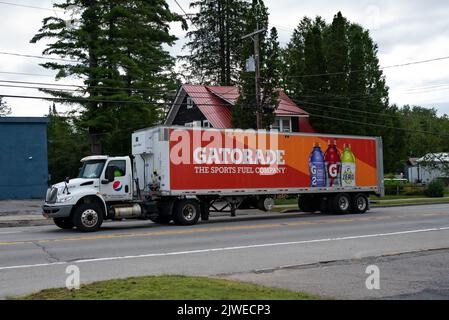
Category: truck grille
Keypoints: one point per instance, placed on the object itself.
(52, 195)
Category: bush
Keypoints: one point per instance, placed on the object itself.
(435, 189)
(414, 190)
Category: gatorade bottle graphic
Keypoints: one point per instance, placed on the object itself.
(348, 167)
(333, 165)
(317, 168)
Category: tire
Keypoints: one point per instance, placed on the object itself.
(341, 203)
(186, 212)
(64, 223)
(308, 204)
(360, 204)
(265, 204)
(161, 219)
(88, 217)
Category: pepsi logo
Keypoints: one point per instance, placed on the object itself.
(117, 186)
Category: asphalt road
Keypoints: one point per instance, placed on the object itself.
(283, 250)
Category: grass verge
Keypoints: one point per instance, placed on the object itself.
(411, 201)
(169, 288)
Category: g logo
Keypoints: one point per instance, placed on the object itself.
(333, 170)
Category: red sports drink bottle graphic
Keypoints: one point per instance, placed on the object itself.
(333, 165)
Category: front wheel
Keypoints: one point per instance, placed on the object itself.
(88, 217)
(186, 212)
(64, 223)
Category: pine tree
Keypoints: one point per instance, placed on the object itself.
(66, 145)
(337, 53)
(215, 42)
(316, 81)
(293, 56)
(357, 81)
(270, 82)
(118, 51)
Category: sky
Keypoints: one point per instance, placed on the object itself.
(405, 31)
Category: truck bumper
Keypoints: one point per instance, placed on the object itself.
(56, 211)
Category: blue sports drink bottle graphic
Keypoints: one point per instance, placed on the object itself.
(317, 168)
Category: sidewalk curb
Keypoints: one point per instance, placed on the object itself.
(25, 223)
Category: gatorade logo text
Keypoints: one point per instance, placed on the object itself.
(219, 156)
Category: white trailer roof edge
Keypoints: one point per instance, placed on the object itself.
(324, 135)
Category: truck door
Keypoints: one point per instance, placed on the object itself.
(120, 188)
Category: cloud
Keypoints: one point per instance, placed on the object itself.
(404, 30)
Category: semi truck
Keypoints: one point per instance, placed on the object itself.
(182, 175)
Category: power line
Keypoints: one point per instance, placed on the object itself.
(35, 56)
(27, 74)
(82, 86)
(301, 76)
(90, 99)
(344, 109)
(25, 6)
(380, 125)
(381, 68)
(182, 9)
(158, 92)
(80, 99)
(153, 63)
(169, 104)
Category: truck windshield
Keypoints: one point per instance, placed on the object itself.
(92, 169)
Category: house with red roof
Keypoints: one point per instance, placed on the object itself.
(211, 107)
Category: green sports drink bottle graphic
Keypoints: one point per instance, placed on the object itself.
(348, 167)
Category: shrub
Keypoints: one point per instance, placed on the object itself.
(435, 189)
(414, 190)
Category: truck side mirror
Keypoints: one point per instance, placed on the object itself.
(110, 176)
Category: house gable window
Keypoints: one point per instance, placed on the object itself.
(282, 124)
(189, 103)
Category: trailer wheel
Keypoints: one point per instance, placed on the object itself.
(341, 203)
(308, 204)
(186, 212)
(88, 217)
(265, 204)
(360, 203)
(64, 223)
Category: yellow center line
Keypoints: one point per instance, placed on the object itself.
(217, 229)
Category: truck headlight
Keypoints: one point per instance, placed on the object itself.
(64, 199)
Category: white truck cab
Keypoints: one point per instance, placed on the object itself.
(82, 202)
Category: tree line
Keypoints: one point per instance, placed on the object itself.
(119, 50)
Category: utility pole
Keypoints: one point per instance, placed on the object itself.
(256, 39)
